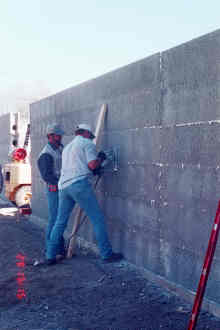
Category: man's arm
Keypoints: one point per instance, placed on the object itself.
(45, 165)
(96, 163)
(94, 159)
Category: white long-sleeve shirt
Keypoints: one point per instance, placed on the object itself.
(75, 158)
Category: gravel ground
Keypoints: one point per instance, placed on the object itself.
(81, 293)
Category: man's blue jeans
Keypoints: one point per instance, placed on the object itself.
(80, 192)
(52, 199)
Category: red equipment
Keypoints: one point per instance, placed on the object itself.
(205, 270)
(19, 154)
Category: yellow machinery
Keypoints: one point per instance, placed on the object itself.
(17, 182)
(17, 176)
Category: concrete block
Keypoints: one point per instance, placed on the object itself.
(136, 147)
(179, 265)
(181, 184)
(190, 74)
(197, 145)
(186, 227)
(134, 182)
(134, 110)
(135, 214)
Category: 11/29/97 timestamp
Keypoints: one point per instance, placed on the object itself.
(20, 263)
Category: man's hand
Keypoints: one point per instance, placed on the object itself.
(93, 165)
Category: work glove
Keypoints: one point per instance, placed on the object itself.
(102, 155)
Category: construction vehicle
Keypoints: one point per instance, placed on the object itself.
(17, 175)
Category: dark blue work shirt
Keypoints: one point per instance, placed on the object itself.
(46, 167)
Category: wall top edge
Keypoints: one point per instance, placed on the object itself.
(206, 36)
(212, 34)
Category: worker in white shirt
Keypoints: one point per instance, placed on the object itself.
(79, 160)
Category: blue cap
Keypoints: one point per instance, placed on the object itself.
(54, 128)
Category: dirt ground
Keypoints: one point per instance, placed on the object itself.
(81, 293)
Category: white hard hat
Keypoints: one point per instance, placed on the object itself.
(85, 127)
(54, 128)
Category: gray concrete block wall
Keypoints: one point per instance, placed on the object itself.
(190, 158)
(163, 114)
(4, 138)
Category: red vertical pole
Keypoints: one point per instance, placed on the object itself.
(205, 270)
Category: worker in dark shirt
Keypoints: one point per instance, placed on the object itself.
(49, 164)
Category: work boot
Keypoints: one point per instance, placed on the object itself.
(60, 257)
(50, 262)
(114, 257)
(44, 262)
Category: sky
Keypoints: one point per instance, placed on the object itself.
(47, 46)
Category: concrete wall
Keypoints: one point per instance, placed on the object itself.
(4, 138)
(164, 114)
